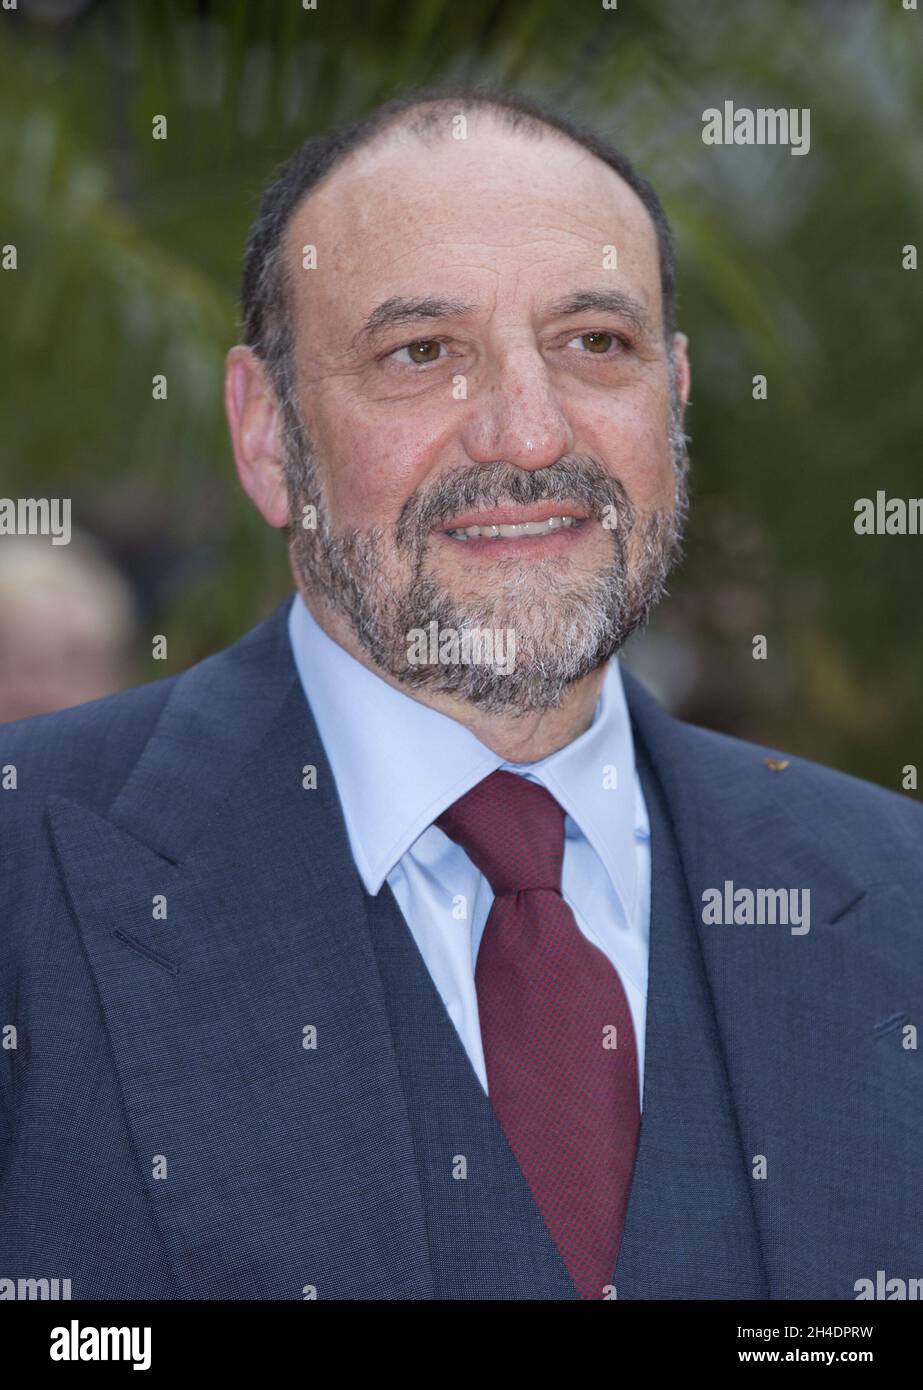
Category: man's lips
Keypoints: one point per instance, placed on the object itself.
(513, 516)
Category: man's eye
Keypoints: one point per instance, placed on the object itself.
(598, 344)
(425, 351)
(419, 353)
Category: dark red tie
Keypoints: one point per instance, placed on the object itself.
(559, 1044)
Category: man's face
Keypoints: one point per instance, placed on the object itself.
(496, 400)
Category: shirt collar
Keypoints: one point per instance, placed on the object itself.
(398, 764)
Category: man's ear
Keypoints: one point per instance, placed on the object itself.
(683, 369)
(253, 420)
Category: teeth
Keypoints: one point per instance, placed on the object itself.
(520, 528)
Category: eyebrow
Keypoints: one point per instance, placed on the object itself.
(397, 310)
(603, 302)
(391, 313)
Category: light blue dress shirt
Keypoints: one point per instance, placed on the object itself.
(399, 764)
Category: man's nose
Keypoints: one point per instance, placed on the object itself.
(515, 416)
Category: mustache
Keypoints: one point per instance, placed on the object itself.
(577, 479)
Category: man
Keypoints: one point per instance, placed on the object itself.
(408, 949)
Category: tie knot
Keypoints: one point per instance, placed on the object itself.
(512, 830)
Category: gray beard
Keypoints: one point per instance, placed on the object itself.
(564, 627)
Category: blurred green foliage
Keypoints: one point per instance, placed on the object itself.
(129, 252)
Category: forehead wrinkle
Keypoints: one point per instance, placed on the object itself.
(429, 305)
(389, 315)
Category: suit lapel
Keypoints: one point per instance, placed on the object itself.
(817, 1087)
(689, 1230)
(273, 1168)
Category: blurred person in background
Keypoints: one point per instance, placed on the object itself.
(67, 626)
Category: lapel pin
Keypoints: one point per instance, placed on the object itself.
(776, 764)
